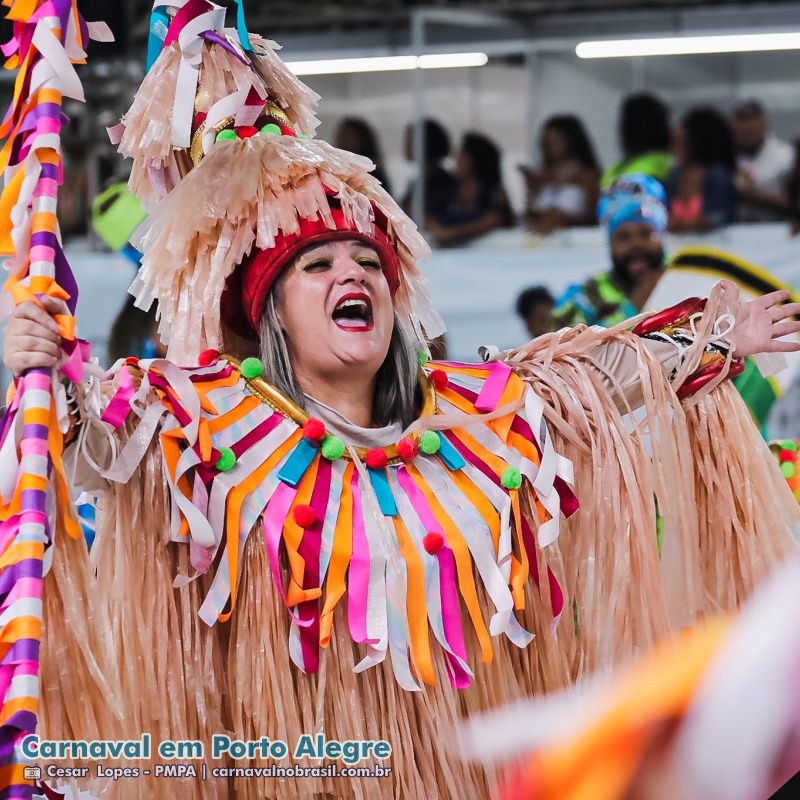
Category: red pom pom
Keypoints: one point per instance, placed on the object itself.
(433, 543)
(314, 429)
(132, 361)
(787, 455)
(408, 449)
(287, 131)
(376, 459)
(304, 516)
(246, 131)
(207, 358)
(439, 379)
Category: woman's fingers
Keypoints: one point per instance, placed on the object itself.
(18, 328)
(37, 344)
(781, 346)
(35, 313)
(767, 300)
(784, 328)
(54, 306)
(784, 311)
(30, 352)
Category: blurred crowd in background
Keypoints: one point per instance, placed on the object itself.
(716, 171)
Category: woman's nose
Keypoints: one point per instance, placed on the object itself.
(348, 269)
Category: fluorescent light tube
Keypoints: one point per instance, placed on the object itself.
(689, 45)
(339, 66)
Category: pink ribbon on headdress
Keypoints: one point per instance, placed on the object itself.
(189, 12)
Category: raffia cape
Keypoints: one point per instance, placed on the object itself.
(728, 517)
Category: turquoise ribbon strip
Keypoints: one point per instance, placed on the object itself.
(452, 458)
(241, 26)
(380, 485)
(298, 462)
(159, 25)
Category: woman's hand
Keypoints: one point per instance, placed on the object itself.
(760, 323)
(31, 338)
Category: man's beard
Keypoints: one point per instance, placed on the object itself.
(621, 268)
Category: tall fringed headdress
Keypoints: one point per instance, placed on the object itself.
(219, 139)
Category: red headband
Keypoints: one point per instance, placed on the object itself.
(247, 288)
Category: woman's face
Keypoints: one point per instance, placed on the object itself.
(336, 311)
(555, 146)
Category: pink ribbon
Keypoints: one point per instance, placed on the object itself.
(274, 517)
(117, 410)
(192, 10)
(451, 617)
(10, 47)
(310, 546)
(358, 583)
(556, 599)
(493, 387)
(24, 587)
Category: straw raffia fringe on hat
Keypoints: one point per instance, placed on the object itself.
(149, 131)
(243, 194)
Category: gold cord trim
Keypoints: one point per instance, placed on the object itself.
(279, 402)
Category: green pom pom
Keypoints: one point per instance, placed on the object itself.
(252, 368)
(422, 358)
(271, 129)
(226, 460)
(332, 448)
(512, 478)
(429, 443)
(302, 136)
(226, 136)
(789, 444)
(788, 469)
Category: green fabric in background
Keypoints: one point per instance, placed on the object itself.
(116, 214)
(757, 391)
(656, 164)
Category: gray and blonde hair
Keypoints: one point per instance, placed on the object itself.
(396, 386)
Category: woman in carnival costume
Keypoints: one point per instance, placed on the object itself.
(305, 529)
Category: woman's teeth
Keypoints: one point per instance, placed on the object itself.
(353, 314)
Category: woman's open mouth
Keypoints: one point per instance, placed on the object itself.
(353, 312)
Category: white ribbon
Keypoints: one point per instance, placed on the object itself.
(55, 63)
(191, 44)
(222, 109)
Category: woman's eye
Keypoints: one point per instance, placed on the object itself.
(317, 266)
(369, 263)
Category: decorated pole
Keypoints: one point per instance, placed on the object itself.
(49, 37)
